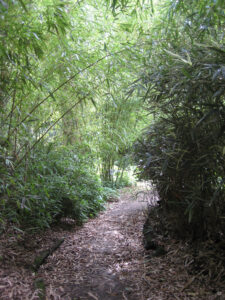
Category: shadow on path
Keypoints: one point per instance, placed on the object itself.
(103, 260)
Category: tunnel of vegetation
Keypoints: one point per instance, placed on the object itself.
(79, 82)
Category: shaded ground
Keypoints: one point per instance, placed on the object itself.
(103, 260)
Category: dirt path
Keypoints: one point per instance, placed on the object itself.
(103, 260)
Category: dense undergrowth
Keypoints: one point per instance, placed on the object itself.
(52, 185)
(182, 151)
(65, 128)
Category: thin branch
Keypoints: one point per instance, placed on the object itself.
(45, 133)
(61, 85)
(11, 114)
(36, 131)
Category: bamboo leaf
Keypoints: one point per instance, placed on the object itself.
(23, 5)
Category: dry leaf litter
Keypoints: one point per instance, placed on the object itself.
(104, 260)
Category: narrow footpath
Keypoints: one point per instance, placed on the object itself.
(103, 260)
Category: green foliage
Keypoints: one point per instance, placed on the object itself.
(70, 107)
(182, 151)
(64, 83)
(109, 192)
(52, 185)
(125, 181)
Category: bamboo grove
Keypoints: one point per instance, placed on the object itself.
(66, 129)
(92, 88)
(182, 151)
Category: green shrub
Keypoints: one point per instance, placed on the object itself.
(109, 192)
(54, 184)
(182, 152)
